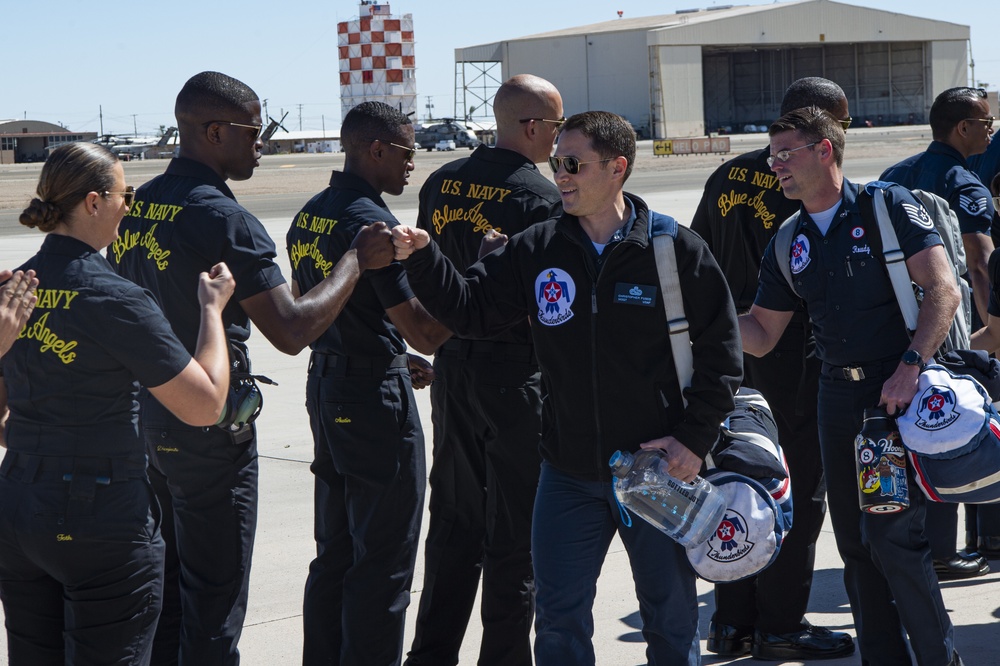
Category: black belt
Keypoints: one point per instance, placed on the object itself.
(860, 371)
(501, 352)
(333, 365)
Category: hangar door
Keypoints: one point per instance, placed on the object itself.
(884, 82)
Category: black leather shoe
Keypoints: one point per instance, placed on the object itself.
(727, 640)
(961, 565)
(988, 546)
(810, 643)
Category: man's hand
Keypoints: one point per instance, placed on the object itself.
(682, 464)
(17, 300)
(898, 390)
(421, 371)
(492, 240)
(408, 240)
(374, 246)
(216, 286)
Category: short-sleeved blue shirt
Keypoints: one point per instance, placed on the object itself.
(846, 289)
(319, 236)
(71, 375)
(942, 170)
(182, 223)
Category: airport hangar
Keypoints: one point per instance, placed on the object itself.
(696, 71)
(32, 140)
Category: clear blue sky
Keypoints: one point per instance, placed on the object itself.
(65, 59)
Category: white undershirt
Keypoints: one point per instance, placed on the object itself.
(824, 219)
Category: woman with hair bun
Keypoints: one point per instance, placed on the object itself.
(81, 556)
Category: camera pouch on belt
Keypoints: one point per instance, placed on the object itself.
(244, 402)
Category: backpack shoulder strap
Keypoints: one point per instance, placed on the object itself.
(895, 260)
(663, 231)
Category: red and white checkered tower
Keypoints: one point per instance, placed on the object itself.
(376, 59)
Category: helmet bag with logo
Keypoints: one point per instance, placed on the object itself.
(749, 467)
(951, 433)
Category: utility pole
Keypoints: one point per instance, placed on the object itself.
(300, 117)
(135, 130)
(267, 118)
(430, 108)
(100, 114)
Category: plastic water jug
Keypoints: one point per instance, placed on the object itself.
(688, 513)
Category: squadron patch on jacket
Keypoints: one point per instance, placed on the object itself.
(554, 292)
(799, 258)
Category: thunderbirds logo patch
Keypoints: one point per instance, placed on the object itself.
(554, 293)
(972, 206)
(730, 541)
(799, 258)
(936, 408)
(918, 215)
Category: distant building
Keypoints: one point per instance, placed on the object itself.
(32, 140)
(376, 59)
(702, 70)
(303, 141)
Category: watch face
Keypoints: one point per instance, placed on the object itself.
(912, 357)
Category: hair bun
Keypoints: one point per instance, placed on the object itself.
(41, 214)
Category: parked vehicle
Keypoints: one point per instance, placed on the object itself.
(445, 144)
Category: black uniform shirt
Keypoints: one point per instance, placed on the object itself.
(942, 170)
(319, 236)
(848, 295)
(740, 211)
(71, 374)
(183, 223)
(494, 188)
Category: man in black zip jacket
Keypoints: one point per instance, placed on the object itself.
(587, 282)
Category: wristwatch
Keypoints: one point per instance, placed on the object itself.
(912, 357)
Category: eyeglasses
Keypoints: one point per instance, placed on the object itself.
(846, 122)
(410, 152)
(571, 163)
(988, 120)
(128, 195)
(256, 128)
(557, 122)
(783, 155)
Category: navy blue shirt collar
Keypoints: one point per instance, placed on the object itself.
(345, 180)
(188, 168)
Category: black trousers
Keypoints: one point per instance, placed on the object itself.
(81, 579)
(486, 402)
(775, 601)
(370, 478)
(890, 581)
(206, 482)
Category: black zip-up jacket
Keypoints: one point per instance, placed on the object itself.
(600, 334)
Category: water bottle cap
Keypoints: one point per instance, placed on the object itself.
(620, 460)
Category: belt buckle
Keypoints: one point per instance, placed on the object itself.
(853, 373)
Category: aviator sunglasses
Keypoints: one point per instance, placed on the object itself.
(128, 195)
(572, 164)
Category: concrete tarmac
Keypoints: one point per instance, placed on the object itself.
(273, 630)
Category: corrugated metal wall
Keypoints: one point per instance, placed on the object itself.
(884, 82)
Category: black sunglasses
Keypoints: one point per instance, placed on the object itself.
(256, 128)
(558, 122)
(572, 164)
(128, 195)
(410, 152)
